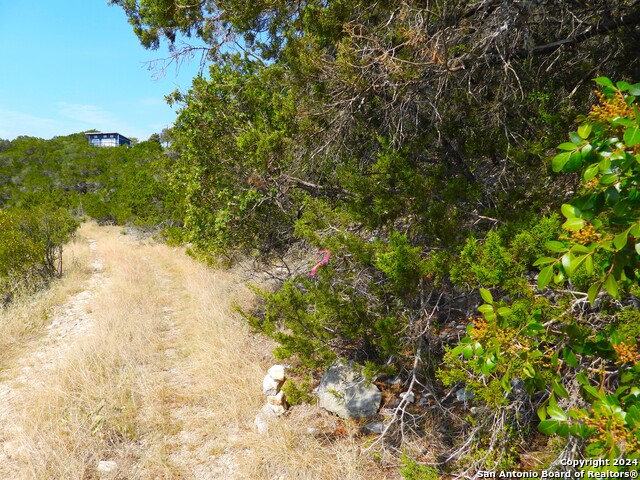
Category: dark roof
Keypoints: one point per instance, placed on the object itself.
(88, 134)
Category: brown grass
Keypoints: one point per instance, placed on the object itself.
(166, 382)
(24, 319)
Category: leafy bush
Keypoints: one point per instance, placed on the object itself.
(552, 346)
(31, 243)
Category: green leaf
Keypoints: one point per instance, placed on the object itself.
(611, 196)
(486, 295)
(593, 291)
(594, 449)
(611, 286)
(548, 427)
(634, 89)
(638, 248)
(467, 352)
(559, 389)
(624, 122)
(544, 261)
(585, 151)
(489, 365)
(622, 86)
(608, 179)
(559, 161)
(574, 224)
(593, 392)
(545, 276)
(582, 378)
(574, 163)
(506, 384)
(621, 240)
(575, 138)
(632, 136)
(588, 264)
(570, 357)
(555, 246)
(504, 311)
(485, 308)
(542, 412)
(584, 130)
(567, 146)
(563, 429)
(605, 164)
(556, 413)
(604, 81)
(577, 248)
(528, 371)
(575, 263)
(590, 172)
(569, 211)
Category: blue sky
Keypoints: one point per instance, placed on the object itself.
(76, 65)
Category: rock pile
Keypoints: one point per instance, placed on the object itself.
(276, 404)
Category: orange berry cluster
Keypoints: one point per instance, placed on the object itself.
(612, 429)
(585, 235)
(480, 328)
(591, 183)
(610, 108)
(627, 352)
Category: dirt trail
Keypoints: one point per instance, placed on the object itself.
(70, 321)
(162, 419)
(145, 371)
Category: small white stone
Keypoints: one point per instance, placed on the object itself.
(270, 386)
(264, 416)
(410, 397)
(277, 372)
(276, 399)
(277, 409)
(375, 427)
(464, 394)
(107, 468)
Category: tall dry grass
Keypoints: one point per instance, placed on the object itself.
(24, 319)
(166, 383)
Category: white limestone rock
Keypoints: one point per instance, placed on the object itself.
(278, 410)
(270, 386)
(344, 391)
(277, 372)
(265, 416)
(276, 399)
(107, 469)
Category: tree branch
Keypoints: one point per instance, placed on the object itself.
(615, 23)
(314, 188)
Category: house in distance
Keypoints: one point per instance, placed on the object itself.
(107, 139)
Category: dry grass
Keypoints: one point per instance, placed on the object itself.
(24, 319)
(166, 382)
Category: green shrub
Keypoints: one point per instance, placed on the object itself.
(31, 243)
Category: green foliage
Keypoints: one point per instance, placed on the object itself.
(505, 343)
(402, 264)
(603, 221)
(233, 138)
(127, 185)
(31, 244)
(412, 470)
(297, 392)
(504, 256)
